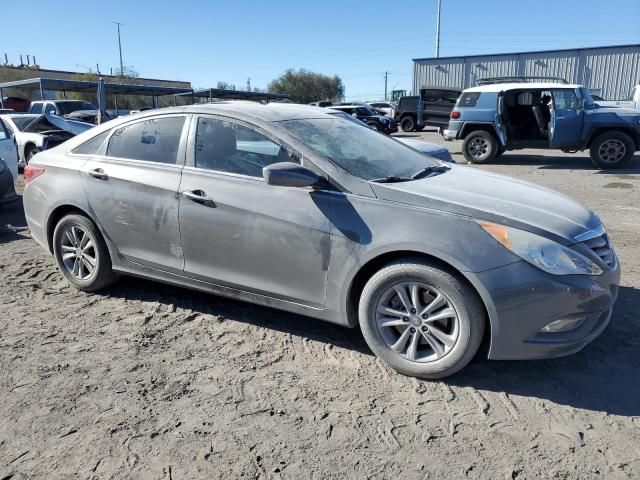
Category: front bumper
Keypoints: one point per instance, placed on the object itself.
(523, 299)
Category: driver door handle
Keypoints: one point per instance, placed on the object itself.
(99, 174)
(198, 196)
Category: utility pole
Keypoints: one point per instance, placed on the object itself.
(438, 29)
(386, 75)
(120, 48)
(249, 84)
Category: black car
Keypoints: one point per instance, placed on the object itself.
(429, 109)
(369, 116)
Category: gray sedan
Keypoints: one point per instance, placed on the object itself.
(290, 207)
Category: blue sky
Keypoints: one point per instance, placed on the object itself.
(207, 41)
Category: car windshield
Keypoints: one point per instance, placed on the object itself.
(362, 152)
(70, 107)
(22, 121)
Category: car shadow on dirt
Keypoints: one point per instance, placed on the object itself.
(231, 310)
(578, 162)
(604, 376)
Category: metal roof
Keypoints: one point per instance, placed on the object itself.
(65, 85)
(221, 93)
(502, 87)
(526, 52)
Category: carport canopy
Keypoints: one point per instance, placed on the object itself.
(84, 86)
(222, 94)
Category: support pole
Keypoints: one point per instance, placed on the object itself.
(438, 29)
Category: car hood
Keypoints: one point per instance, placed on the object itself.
(421, 145)
(46, 121)
(488, 196)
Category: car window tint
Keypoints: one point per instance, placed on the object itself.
(229, 147)
(565, 100)
(152, 140)
(36, 108)
(469, 99)
(92, 146)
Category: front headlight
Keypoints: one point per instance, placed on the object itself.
(541, 252)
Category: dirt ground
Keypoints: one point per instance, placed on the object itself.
(148, 381)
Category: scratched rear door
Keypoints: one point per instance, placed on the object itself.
(132, 189)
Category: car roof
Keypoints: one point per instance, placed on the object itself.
(501, 87)
(271, 112)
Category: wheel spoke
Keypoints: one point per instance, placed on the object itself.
(84, 241)
(90, 259)
(415, 297)
(433, 343)
(68, 256)
(392, 312)
(445, 338)
(88, 246)
(68, 248)
(441, 315)
(391, 322)
(89, 267)
(76, 266)
(402, 341)
(406, 303)
(413, 346)
(69, 235)
(437, 302)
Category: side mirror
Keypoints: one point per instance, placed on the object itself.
(289, 174)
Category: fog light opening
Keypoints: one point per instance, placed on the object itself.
(562, 325)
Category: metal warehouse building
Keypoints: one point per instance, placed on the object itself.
(610, 72)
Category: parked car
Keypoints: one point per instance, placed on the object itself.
(8, 164)
(60, 107)
(34, 133)
(17, 104)
(322, 103)
(496, 117)
(366, 114)
(293, 208)
(389, 108)
(428, 148)
(429, 109)
(6, 110)
(633, 103)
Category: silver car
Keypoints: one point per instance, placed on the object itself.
(290, 207)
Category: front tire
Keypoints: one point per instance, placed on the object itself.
(81, 253)
(408, 124)
(480, 147)
(421, 320)
(612, 150)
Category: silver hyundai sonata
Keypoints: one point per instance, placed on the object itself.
(290, 207)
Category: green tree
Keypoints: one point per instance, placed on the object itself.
(304, 86)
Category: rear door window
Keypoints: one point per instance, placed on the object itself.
(153, 140)
(92, 146)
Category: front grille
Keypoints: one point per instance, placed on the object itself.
(602, 247)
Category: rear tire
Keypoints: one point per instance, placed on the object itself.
(480, 147)
(408, 124)
(373, 126)
(81, 253)
(447, 334)
(612, 150)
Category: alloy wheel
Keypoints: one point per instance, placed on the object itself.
(417, 322)
(612, 151)
(478, 148)
(78, 252)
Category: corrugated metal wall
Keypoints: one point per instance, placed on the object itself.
(610, 71)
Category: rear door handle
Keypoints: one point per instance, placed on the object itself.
(99, 174)
(198, 196)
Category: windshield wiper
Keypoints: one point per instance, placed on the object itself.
(430, 171)
(391, 179)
